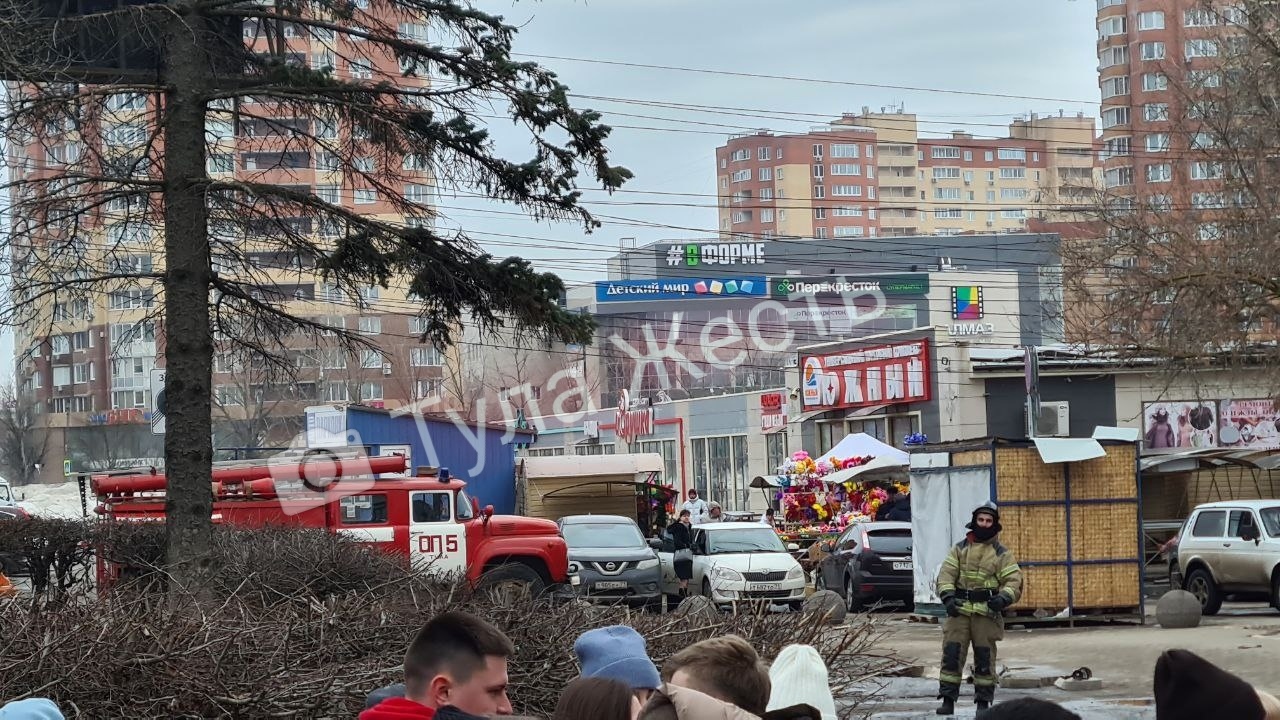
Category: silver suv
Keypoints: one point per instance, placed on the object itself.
(1231, 548)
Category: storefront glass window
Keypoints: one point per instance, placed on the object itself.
(775, 451)
(700, 474)
(719, 451)
(667, 449)
(740, 469)
(903, 425)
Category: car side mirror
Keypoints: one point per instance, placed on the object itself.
(655, 543)
(792, 547)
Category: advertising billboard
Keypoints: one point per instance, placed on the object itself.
(681, 289)
(826, 286)
(1249, 424)
(868, 376)
(1180, 424)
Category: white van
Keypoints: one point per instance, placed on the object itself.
(6, 494)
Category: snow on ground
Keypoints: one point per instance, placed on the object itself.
(52, 500)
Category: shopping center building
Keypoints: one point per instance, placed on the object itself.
(726, 356)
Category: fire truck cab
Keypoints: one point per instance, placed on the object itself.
(429, 520)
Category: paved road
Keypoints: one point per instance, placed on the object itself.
(1244, 638)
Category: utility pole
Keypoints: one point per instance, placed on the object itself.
(1031, 373)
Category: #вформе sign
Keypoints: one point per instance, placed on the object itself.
(880, 375)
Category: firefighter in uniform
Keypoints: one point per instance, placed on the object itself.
(978, 580)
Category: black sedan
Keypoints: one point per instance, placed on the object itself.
(870, 563)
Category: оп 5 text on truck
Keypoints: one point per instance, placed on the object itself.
(429, 519)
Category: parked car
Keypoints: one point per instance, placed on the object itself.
(6, 494)
(1231, 548)
(614, 562)
(870, 562)
(739, 562)
(10, 565)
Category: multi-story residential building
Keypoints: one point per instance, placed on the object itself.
(872, 174)
(88, 360)
(1152, 56)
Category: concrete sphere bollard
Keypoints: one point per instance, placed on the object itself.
(1178, 609)
(828, 604)
(696, 606)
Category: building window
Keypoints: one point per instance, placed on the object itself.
(846, 169)
(1199, 17)
(1155, 112)
(848, 211)
(1013, 154)
(846, 191)
(766, 215)
(762, 153)
(670, 459)
(740, 155)
(1117, 177)
(817, 151)
(741, 216)
(949, 153)
(1201, 48)
(370, 359)
(1151, 82)
(946, 173)
(846, 232)
(1157, 142)
(1112, 87)
(1206, 171)
(370, 391)
(366, 196)
(361, 69)
(766, 193)
(948, 214)
(1159, 172)
(1152, 50)
(1112, 56)
(1111, 26)
(370, 325)
(1013, 173)
(819, 192)
(741, 175)
(818, 172)
(844, 150)
(946, 193)
(1152, 20)
(764, 174)
(1201, 141)
(425, 357)
(820, 233)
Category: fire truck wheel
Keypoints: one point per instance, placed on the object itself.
(509, 581)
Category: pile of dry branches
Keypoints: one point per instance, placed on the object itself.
(302, 624)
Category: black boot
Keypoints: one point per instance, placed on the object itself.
(983, 706)
(948, 707)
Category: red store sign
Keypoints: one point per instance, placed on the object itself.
(866, 376)
(632, 423)
(773, 412)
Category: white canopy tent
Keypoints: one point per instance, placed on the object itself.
(861, 445)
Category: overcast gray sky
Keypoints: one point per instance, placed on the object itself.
(1029, 48)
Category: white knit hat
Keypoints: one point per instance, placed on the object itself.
(799, 676)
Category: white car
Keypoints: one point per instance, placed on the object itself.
(1231, 547)
(738, 561)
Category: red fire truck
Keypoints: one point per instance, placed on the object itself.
(429, 519)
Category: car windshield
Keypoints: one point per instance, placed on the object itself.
(602, 535)
(746, 540)
(4, 494)
(1271, 519)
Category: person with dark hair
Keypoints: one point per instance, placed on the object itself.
(597, 698)
(1188, 686)
(456, 660)
(1029, 709)
(682, 555)
(977, 581)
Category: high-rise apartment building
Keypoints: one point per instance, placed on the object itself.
(87, 362)
(1152, 55)
(873, 174)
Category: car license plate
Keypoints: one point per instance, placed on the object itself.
(766, 586)
(611, 585)
(903, 566)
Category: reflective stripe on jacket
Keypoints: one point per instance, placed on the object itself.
(980, 566)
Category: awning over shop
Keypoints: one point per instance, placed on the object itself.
(861, 445)
(1056, 450)
(1209, 459)
(880, 463)
(767, 481)
(1104, 432)
(864, 411)
(590, 489)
